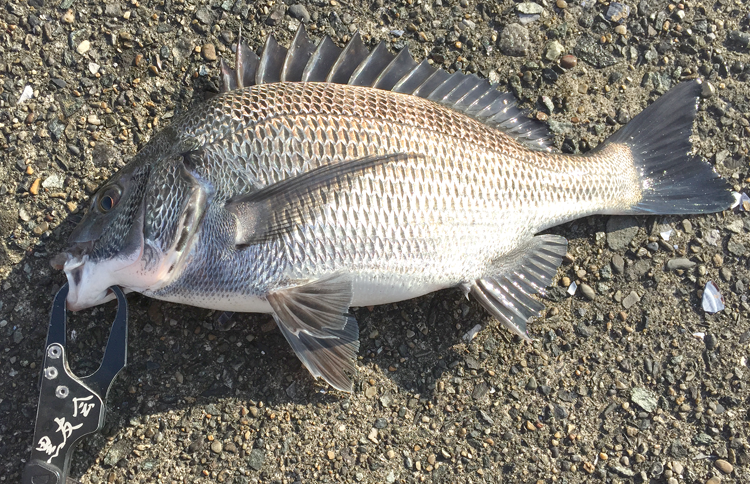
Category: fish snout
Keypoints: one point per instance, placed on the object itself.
(86, 287)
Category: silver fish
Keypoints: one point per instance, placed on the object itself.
(326, 178)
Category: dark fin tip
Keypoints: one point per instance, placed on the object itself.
(673, 180)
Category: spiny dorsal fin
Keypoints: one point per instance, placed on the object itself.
(271, 62)
(297, 57)
(356, 65)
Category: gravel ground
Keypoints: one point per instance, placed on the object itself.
(628, 380)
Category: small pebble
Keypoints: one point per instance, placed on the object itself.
(714, 480)
(69, 17)
(216, 447)
(618, 264)
(631, 300)
(587, 292)
(561, 4)
(34, 189)
(568, 61)
(209, 52)
(680, 264)
(83, 47)
(723, 466)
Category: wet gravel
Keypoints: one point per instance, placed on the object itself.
(627, 380)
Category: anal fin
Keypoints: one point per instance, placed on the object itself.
(516, 277)
(313, 319)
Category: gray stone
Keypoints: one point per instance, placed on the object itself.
(560, 412)
(735, 246)
(631, 300)
(256, 459)
(275, 16)
(56, 129)
(204, 15)
(617, 12)
(529, 8)
(553, 51)
(680, 264)
(299, 12)
(560, 127)
(742, 38)
(622, 470)
(480, 391)
(113, 9)
(618, 264)
(118, 451)
(644, 399)
(587, 291)
(707, 90)
(620, 231)
(514, 40)
(591, 51)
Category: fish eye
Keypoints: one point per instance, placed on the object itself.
(109, 198)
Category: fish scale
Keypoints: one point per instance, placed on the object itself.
(301, 199)
(273, 150)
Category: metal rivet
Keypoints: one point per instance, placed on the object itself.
(54, 352)
(50, 373)
(62, 392)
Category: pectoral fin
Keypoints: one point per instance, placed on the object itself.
(278, 208)
(313, 319)
(525, 271)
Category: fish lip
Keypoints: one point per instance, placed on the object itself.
(76, 251)
(76, 269)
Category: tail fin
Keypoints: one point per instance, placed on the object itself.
(673, 181)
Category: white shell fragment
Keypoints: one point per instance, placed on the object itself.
(472, 333)
(744, 202)
(665, 232)
(27, 94)
(572, 288)
(713, 301)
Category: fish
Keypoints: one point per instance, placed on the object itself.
(323, 178)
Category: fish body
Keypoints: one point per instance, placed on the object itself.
(304, 198)
(461, 184)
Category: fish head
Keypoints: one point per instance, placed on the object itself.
(134, 233)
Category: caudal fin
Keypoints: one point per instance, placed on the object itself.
(672, 180)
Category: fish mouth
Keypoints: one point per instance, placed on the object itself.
(76, 263)
(89, 281)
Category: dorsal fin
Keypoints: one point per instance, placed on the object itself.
(321, 62)
(352, 56)
(271, 62)
(245, 66)
(297, 57)
(356, 65)
(368, 71)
